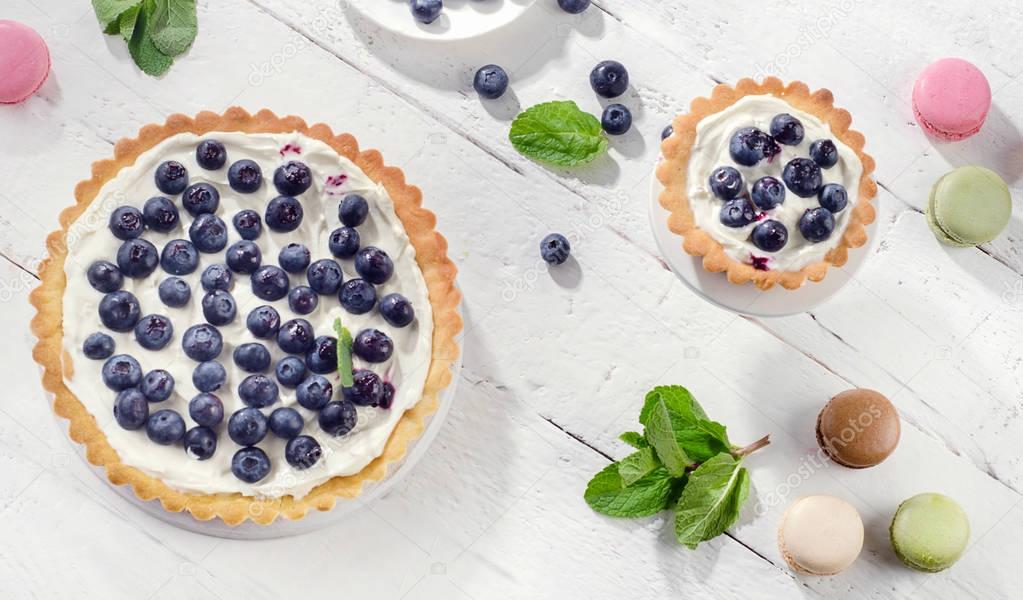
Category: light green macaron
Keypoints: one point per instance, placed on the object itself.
(969, 206)
(930, 532)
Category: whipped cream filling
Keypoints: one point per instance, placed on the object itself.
(710, 151)
(334, 176)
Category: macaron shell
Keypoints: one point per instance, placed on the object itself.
(820, 535)
(858, 428)
(951, 99)
(24, 61)
(970, 205)
(930, 532)
(936, 229)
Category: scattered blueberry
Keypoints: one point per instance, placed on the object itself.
(786, 129)
(324, 277)
(824, 153)
(179, 257)
(374, 265)
(283, 213)
(296, 336)
(202, 342)
(153, 332)
(206, 410)
(245, 176)
(616, 119)
(137, 258)
(554, 249)
(98, 346)
(816, 224)
(104, 276)
(357, 296)
(302, 452)
(292, 178)
(131, 410)
(211, 155)
(426, 11)
(258, 391)
(609, 79)
(250, 464)
(264, 321)
(200, 198)
(244, 256)
(171, 177)
(397, 310)
(367, 388)
(294, 258)
(209, 376)
(126, 223)
(344, 242)
(157, 385)
(770, 235)
(373, 345)
(749, 146)
(208, 233)
(803, 177)
(216, 277)
(252, 357)
(314, 392)
(165, 427)
(247, 426)
(219, 307)
(491, 82)
(353, 210)
(767, 193)
(270, 283)
(160, 214)
(726, 182)
(121, 372)
(737, 212)
(574, 6)
(388, 398)
(200, 442)
(667, 131)
(174, 292)
(322, 358)
(338, 418)
(248, 224)
(119, 310)
(286, 423)
(290, 371)
(834, 198)
(302, 300)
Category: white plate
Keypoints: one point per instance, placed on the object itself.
(748, 299)
(460, 20)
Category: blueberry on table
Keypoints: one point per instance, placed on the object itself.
(314, 392)
(160, 214)
(574, 6)
(252, 357)
(373, 345)
(121, 372)
(294, 258)
(338, 418)
(374, 265)
(833, 197)
(270, 283)
(284, 214)
(357, 296)
(367, 388)
(726, 182)
(738, 212)
(296, 336)
(302, 300)
(208, 232)
(137, 258)
(264, 321)
(824, 153)
(667, 131)
(250, 464)
(426, 11)
(322, 358)
(786, 129)
(104, 276)
(171, 177)
(216, 277)
(353, 210)
(616, 119)
(248, 224)
(165, 427)
(153, 332)
(200, 442)
(126, 223)
(286, 423)
(98, 346)
(344, 242)
(174, 292)
(817, 224)
(202, 342)
(179, 257)
(324, 276)
(490, 81)
(292, 178)
(803, 177)
(157, 385)
(131, 410)
(119, 311)
(609, 79)
(247, 426)
(219, 307)
(211, 155)
(206, 410)
(243, 256)
(767, 193)
(302, 452)
(397, 310)
(770, 236)
(555, 249)
(200, 198)
(748, 146)
(245, 176)
(290, 371)
(209, 376)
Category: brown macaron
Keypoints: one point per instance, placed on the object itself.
(858, 428)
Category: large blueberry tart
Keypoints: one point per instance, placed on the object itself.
(767, 183)
(246, 317)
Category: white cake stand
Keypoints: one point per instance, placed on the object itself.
(460, 20)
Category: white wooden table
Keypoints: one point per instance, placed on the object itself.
(556, 364)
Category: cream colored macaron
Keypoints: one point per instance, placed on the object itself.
(820, 535)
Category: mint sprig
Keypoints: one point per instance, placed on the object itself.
(345, 368)
(156, 31)
(683, 461)
(558, 133)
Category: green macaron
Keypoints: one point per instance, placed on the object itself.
(969, 206)
(930, 532)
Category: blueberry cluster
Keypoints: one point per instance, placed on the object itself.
(803, 177)
(309, 356)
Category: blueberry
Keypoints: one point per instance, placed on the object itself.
(174, 292)
(296, 336)
(667, 131)
(208, 232)
(292, 178)
(98, 346)
(786, 129)
(338, 418)
(171, 177)
(574, 6)
(353, 210)
(219, 307)
(248, 224)
(824, 153)
(119, 311)
(209, 376)
(264, 321)
(202, 342)
(245, 176)
(153, 332)
(737, 213)
(554, 249)
(160, 214)
(616, 119)
(286, 423)
(302, 452)
(324, 277)
(726, 183)
(200, 442)
(121, 372)
(165, 427)
(211, 155)
(491, 82)
(388, 398)
(374, 265)
(200, 198)
(244, 256)
(252, 357)
(157, 385)
(426, 11)
(609, 79)
(367, 388)
(357, 296)
(749, 146)
(344, 242)
(302, 300)
(294, 258)
(216, 277)
(206, 410)
(104, 276)
(834, 197)
(247, 426)
(770, 235)
(767, 193)
(137, 258)
(250, 464)
(397, 310)
(314, 392)
(817, 224)
(803, 177)
(179, 257)
(290, 371)
(283, 214)
(373, 345)
(258, 391)
(131, 410)
(126, 223)
(322, 358)
(270, 283)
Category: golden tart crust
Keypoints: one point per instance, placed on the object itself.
(431, 255)
(672, 170)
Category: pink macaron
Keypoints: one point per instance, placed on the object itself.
(951, 99)
(24, 61)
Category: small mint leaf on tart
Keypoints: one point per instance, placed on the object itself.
(345, 368)
(636, 486)
(558, 133)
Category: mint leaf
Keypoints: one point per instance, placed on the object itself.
(345, 368)
(127, 22)
(676, 397)
(711, 500)
(678, 428)
(558, 133)
(108, 12)
(174, 26)
(143, 52)
(636, 440)
(660, 430)
(636, 486)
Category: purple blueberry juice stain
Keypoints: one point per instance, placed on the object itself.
(335, 181)
(290, 149)
(759, 262)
